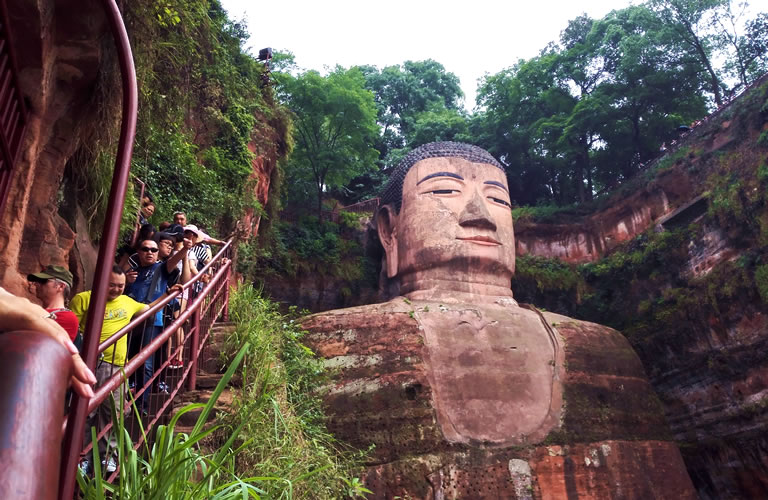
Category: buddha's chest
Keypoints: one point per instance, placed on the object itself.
(494, 373)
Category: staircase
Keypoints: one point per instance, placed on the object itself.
(210, 372)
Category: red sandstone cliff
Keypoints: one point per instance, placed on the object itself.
(63, 49)
(59, 51)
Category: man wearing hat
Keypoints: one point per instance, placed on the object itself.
(52, 286)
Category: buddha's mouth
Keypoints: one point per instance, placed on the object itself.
(480, 240)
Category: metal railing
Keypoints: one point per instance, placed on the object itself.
(195, 321)
(108, 244)
(35, 369)
(13, 113)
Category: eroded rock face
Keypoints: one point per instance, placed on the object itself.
(460, 436)
(592, 237)
(59, 50)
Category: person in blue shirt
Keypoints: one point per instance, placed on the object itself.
(146, 282)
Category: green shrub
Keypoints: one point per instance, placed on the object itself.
(278, 410)
(175, 467)
(762, 140)
(761, 281)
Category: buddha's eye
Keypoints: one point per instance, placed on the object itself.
(500, 201)
(443, 191)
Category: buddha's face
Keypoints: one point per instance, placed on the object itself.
(455, 223)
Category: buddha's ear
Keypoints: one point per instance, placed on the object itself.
(386, 224)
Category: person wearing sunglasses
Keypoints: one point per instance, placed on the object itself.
(148, 281)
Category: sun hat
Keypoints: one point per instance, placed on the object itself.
(200, 235)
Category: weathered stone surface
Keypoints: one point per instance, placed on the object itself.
(610, 440)
(590, 238)
(64, 50)
(59, 49)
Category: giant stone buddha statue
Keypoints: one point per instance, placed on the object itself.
(465, 393)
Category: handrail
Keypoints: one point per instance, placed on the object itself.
(102, 393)
(196, 321)
(95, 317)
(157, 307)
(35, 372)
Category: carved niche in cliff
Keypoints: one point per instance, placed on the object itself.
(464, 392)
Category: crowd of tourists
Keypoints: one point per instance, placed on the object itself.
(151, 264)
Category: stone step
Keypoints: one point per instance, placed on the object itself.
(188, 420)
(207, 380)
(211, 358)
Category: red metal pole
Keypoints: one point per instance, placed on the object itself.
(225, 313)
(195, 347)
(35, 370)
(95, 317)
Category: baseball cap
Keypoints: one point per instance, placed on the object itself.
(176, 231)
(52, 272)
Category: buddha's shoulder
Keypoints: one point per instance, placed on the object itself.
(397, 313)
(371, 332)
(576, 330)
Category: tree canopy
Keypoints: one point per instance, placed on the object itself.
(579, 118)
(334, 129)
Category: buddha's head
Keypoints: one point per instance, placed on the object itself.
(445, 221)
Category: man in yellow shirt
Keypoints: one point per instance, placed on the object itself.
(119, 311)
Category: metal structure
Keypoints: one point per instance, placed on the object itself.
(13, 113)
(196, 321)
(34, 373)
(35, 369)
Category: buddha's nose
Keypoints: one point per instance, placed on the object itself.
(475, 214)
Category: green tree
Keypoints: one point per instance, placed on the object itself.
(687, 23)
(587, 113)
(746, 41)
(334, 127)
(519, 107)
(403, 94)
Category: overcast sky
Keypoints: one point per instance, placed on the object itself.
(469, 38)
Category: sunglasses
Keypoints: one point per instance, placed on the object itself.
(148, 249)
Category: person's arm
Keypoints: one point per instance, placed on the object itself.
(214, 241)
(175, 288)
(170, 264)
(17, 313)
(186, 270)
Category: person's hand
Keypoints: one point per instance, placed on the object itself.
(130, 276)
(17, 313)
(176, 288)
(205, 278)
(188, 243)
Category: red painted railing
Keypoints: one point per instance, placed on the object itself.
(13, 113)
(108, 244)
(195, 321)
(34, 369)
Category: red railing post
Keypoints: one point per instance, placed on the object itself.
(95, 317)
(195, 347)
(34, 372)
(225, 313)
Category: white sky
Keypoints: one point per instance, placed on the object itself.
(469, 38)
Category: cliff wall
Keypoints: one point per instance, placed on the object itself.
(69, 78)
(59, 49)
(680, 267)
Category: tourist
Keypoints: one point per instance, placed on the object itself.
(148, 281)
(17, 313)
(52, 286)
(180, 218)
(118, 312)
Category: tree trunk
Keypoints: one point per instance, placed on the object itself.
(320, 204)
